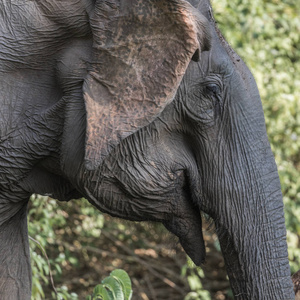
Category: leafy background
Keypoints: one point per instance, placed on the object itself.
(84, 246)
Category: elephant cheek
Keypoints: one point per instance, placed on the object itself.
(188, 228)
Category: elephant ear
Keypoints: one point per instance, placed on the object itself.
(141, 50)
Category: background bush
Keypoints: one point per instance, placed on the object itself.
(266, 35)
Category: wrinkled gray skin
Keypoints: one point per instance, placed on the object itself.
(206, 151)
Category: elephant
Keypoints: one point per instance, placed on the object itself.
(143, 108)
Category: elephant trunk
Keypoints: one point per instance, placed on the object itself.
(252, 235)
(261, 261)
(244, 181)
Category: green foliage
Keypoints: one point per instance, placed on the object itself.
(48, 221)
(43, 218)
(194, 275)
(62, 293)
(117, 286)
(46, 218)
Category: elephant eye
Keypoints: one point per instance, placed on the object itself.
(213, 92)
(204, 103)
(212, 89)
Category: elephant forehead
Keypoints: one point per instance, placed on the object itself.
(216, 61)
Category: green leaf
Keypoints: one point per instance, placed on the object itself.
(100, 292)
(122, 277)
(115, 287)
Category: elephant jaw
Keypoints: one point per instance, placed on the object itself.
(149, 195)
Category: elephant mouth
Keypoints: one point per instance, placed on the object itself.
(178, 213)
(174, 207)
(141, 187)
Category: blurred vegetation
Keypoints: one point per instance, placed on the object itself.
(117, 286)
(266, 35)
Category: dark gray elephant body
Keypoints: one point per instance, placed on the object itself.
(154, 128)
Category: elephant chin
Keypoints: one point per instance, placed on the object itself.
(189, 232)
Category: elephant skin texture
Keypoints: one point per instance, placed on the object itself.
(143, 108)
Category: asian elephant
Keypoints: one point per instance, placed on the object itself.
(142, 107)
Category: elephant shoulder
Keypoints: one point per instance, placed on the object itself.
(32, 32)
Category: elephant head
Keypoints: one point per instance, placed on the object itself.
(143, 108)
